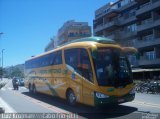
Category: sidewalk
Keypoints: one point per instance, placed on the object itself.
(5, 108)
(4, 80)
(148, 98)
(2, 105)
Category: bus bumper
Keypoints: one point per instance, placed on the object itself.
(112, 100)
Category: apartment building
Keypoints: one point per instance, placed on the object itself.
(132, 23)
(73, 30)
(69, 31)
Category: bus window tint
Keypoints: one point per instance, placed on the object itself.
(85, 66)
(71, 58)
(78, 59)
(58, 58)
(112, 68)
(54, 58)
(104, 66)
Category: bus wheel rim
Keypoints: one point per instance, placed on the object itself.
(34, 89)
(71, 98)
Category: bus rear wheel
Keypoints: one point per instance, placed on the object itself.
(71, 98)
(34, 89)
(30, 88)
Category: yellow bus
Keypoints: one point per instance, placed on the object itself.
(93, 71)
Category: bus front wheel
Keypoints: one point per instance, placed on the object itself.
(71, 98)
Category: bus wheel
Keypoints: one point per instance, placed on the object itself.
(71, 98)
(34, 89)
(30, 88)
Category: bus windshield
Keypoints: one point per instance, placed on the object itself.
(112, 68)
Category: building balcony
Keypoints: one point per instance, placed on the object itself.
(148, 7)
(150, 25)
(111, 24)
(131, 4)
(98, 28)
(106, 26)
(124, 20)
(113, 36)
(110, 13)
(149, 63)
(138, 1)
(79, 35)
(148, 43)
(126, 34)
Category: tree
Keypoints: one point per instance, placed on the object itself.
(16, 72)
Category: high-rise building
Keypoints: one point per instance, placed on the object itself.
(73, 30)
(132, 23)
(69, 31)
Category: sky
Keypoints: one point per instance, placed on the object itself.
(28, 25)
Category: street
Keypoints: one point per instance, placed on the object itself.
(21, 101)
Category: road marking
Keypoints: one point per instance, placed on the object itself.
(146, 104)
(23, 87)
(10, 88)
(46, 105)
(8, 109)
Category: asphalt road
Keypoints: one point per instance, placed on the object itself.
(21, 101)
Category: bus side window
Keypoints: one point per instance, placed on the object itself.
(78, 59)
(71, 58)
(85, 65)
(57, 58)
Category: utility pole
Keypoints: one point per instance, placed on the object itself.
(2, 64)
(2, 57)
(1, 33)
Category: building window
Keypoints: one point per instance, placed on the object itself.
(131, 28)
(146, 21)
(146, 4)
(150, 55)
(132, 58)
(114, 7)
(119, 5)
(125, 2)
(147, 38)
(131, 42)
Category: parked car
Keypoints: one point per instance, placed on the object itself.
(21, 82)
(15, 83)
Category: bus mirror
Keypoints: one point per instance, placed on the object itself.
(94, 52)
(130, 50)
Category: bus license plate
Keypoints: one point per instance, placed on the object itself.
(120, 100)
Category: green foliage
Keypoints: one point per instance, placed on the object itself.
(16, 72)
(2, 84)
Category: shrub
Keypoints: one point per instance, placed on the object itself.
(2, 84)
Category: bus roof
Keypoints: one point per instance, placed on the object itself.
(94, 39)
(80, 42)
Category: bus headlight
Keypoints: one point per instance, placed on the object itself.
(101, 95)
